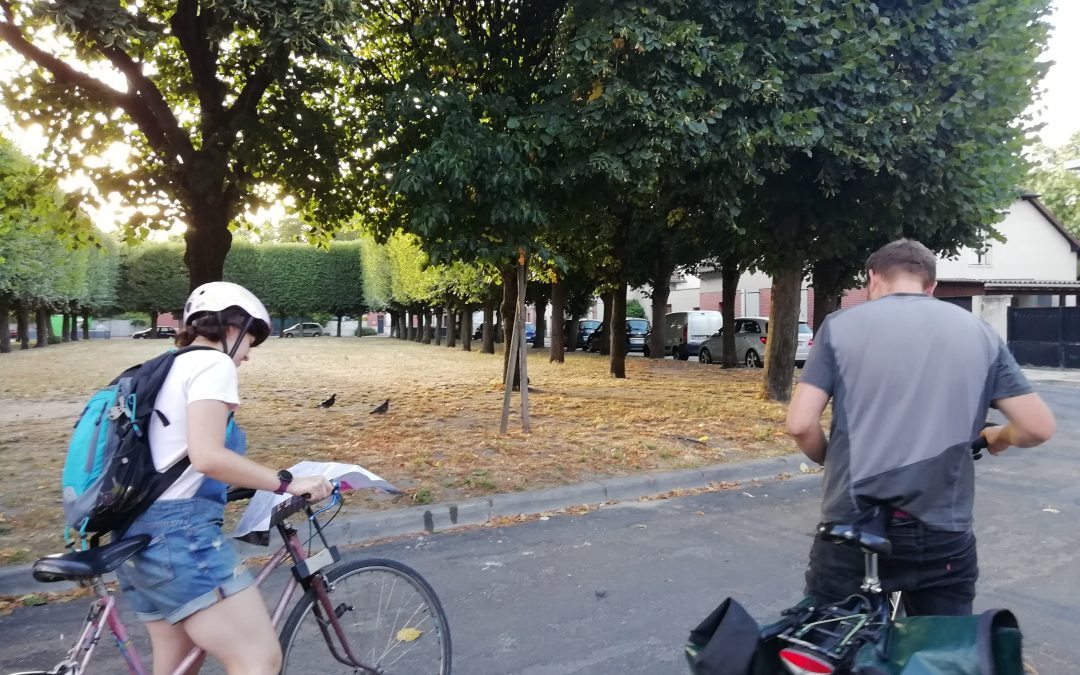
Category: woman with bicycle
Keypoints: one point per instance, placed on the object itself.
(189, 585)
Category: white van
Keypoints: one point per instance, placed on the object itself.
(685, 331)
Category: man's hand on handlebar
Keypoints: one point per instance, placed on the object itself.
(313, 488)
(998, 438)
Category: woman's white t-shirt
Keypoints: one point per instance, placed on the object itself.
(198, 375)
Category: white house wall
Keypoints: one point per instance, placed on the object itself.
(1033, 249)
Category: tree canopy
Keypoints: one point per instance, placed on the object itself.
(219, 103)
(1055, 177)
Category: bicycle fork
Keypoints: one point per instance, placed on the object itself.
(308, 573)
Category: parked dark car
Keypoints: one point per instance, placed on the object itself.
(150, 333)
(585, 329)
(530, 332)
(636, 330)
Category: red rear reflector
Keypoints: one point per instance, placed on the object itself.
(764, 340)
(802, 663)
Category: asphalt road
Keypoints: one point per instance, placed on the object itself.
(617, 590)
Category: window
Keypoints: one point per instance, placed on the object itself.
(980, 257)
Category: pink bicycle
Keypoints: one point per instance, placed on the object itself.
(360, 616)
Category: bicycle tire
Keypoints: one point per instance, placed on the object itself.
(350, 585)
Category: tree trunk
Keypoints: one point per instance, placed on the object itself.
(22, 319)
(208, 240)
(541, 320)
(74, 334)
(5, 321)
(783, 332)
(827, 293)
(428, 328)
(153, 323)
(825, 303)
(617, 327)
(558, 310)
(730, 271)
(617, 331)
(339, 325)
(605, 345)
(438, 328)
(451, 328)
(488, 346)
(509, 314)
(662, 271)
(42, 316)
(65, 327)
(86, 323)
(466, 329)
(393, 324)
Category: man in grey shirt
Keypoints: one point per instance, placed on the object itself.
(911, 379)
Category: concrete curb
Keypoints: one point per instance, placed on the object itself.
(421, 520)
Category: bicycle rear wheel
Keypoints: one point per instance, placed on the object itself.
(388, 612)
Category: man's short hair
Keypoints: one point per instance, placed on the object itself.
(904, 255)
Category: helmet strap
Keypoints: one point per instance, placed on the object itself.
(224, 335)
(240, 336)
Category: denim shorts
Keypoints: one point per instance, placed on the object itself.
(189, 564)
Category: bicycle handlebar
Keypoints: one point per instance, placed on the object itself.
(977, 446)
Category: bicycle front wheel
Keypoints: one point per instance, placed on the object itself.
(389, 614)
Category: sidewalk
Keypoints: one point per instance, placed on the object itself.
(419, 520)
(1060, 376)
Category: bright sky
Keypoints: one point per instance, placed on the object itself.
(1058, 110)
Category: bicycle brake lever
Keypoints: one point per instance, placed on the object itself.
(335, 499)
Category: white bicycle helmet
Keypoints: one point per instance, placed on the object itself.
(218, 296)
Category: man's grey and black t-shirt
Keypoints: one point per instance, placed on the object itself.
(911, 379)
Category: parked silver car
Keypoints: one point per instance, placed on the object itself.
(751, 336)
(310, 330)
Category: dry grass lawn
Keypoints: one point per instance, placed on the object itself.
(440, 440)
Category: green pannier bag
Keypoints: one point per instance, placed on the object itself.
(985, 644)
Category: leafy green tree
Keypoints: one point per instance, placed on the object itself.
(634, 310)
(647, 91)
(217, 100)
(912, 125)
(102, 281)
(412, 279)
(292, 276)
(244, 266)
(457, 76)
(43, 238)
(153, 279)
(342, 281)
(1055, 177)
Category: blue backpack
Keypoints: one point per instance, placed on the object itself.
(109, 476)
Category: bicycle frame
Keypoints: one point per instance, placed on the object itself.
(305, 573)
